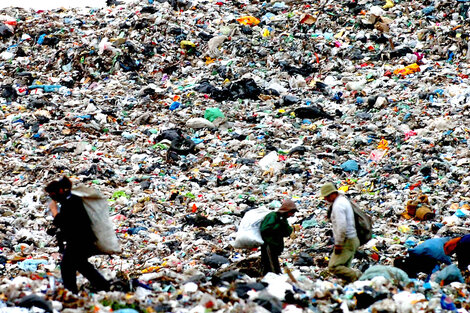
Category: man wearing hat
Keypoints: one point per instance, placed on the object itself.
(274, 228)
(344, 233)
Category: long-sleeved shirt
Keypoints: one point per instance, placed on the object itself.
(273, 229)
(342, 218)
(75, 224)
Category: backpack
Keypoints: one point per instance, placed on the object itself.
(363, 223)
(96, 205)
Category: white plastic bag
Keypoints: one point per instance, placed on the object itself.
(96, 205)
(248, 235)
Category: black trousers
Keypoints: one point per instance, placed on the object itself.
(463, 256)
(74, 260)
(269, 260)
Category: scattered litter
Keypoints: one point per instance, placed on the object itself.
(186, 115)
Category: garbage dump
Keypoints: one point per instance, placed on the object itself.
(187, 114)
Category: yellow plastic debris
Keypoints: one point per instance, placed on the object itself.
(403, 229)
(383, 145)
(389, 4)
(339, 35)
(186, 44)
(151, 269)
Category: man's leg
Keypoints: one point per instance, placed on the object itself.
(339, 264)
(91, 273)
(273, 260)
(68, 269)
(265, 264)
(74, 260)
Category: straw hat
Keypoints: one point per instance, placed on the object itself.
(327, 189)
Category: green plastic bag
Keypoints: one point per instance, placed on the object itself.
(213, 113)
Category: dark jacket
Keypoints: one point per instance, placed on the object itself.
(462, 250)
(75, 224)
(274, 228)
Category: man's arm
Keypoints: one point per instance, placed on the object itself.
(53, 208)
(338, 219)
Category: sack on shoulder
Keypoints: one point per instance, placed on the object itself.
(363, 224)
(249, 235)
(96, 205)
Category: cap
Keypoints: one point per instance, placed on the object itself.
(287, 206)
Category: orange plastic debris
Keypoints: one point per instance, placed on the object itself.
(248, 20)
(410, 69)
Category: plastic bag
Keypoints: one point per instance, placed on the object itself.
(96, 205)
(212, 114)
(248, 235)
(448, 275)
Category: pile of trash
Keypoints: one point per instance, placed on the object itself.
(188, 113)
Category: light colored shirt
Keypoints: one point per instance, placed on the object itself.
(342, 218)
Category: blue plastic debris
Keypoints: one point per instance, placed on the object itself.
(448, 304)
(46, 88)
(126, 310)
(31, 265)
(41, 39)
(350, 166)
(197, 140)
(175, 105)
(135, 230)
(410, 243)
(428, 10)
(448, 275)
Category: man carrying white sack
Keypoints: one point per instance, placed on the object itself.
(274, 228)
(75, 230)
